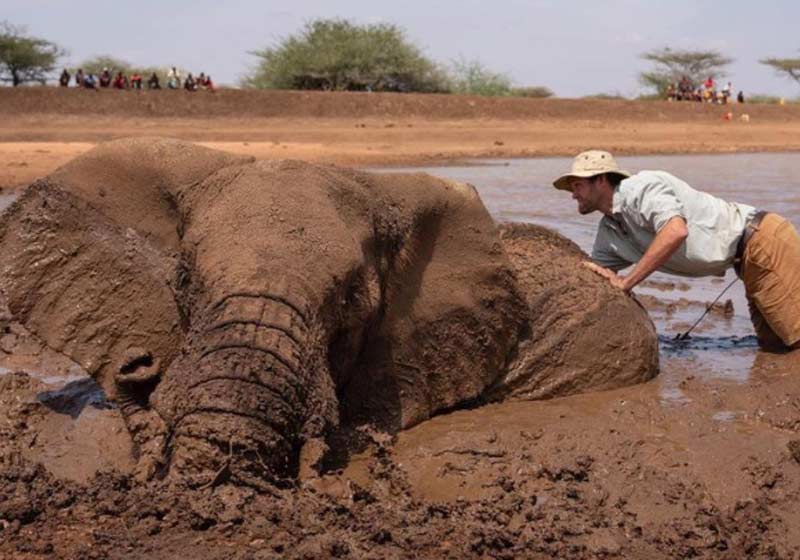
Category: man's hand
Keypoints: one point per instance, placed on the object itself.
(616, 280)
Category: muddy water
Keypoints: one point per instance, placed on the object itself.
(723, 346)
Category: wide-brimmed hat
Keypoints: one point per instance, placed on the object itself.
(589, 164)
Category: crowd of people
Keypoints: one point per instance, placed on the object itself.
(121, 80)
(686, 90)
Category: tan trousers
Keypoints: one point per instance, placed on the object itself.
(771, 274)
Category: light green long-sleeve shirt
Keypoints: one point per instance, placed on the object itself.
(645, 202)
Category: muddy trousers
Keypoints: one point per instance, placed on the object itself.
(771, 274)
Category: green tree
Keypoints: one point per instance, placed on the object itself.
(335, 54)
(96, 64)
(23, 58)
(471, 77)
(787, 67)
(672, 65)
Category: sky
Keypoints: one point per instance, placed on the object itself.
(574, 47)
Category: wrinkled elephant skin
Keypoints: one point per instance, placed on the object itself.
(237, 309)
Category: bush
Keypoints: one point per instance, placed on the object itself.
(340, 55)
(611, 96)
(96, 64)
(538, 92)
(763, 99)
(471, 77)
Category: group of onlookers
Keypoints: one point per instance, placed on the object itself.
(686, 90)
(121, 80)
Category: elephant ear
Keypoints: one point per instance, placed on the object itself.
(138, 182)
(87, 287)
(452, 312)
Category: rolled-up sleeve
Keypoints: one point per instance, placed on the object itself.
(656, 204)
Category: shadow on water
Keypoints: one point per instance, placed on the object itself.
(74, 397)
(674, 347)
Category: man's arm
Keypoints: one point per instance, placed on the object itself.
(666, 242)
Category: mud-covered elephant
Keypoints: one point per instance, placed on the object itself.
(237, 309)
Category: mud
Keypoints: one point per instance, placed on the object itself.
(615, 475)
(681, 466)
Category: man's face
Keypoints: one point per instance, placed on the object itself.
(587, 194)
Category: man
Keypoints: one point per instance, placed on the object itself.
(173, 78)
(153, 82)
(136, 80)
(189, 84)
(655, 221)
(105, 78)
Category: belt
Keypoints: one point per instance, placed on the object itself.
(749, 229)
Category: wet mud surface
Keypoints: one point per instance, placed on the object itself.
(702, 468)
(702, 461)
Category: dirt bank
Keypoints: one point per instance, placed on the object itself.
(347, 105)
(45, 127)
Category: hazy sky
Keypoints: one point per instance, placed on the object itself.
(574, 47)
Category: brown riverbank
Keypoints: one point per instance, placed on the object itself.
(45, 127)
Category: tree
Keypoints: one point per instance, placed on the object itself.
(789, 67)
(96, 64)
(471, 77)
(23, 58)
(673, 65)
(335, 54)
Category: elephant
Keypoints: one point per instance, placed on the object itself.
(238, 311)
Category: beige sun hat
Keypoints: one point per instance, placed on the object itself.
(589, 164)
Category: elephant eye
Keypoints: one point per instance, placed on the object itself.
(353, 294)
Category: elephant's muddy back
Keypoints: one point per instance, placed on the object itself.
(585, 335)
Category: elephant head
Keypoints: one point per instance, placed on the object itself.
(237, 309)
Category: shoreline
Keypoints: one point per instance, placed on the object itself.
(21, 163)
(44, 128)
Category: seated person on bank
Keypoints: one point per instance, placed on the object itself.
(105, 78)
(153, 82)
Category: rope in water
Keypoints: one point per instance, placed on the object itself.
(685, 335)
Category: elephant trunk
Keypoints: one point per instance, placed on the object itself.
(236, 399)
